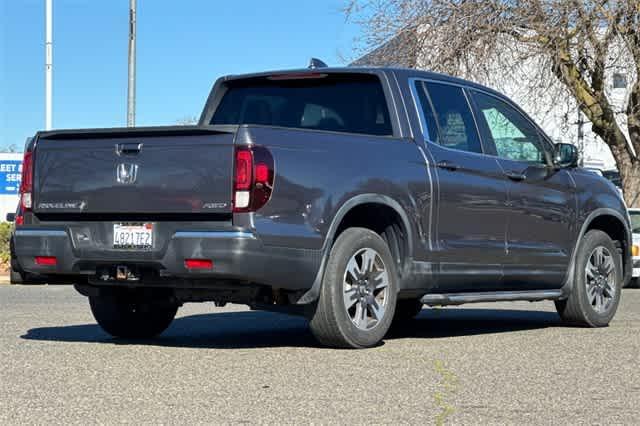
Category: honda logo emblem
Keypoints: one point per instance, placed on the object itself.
(126, 173)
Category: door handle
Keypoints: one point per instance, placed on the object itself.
(517, 176)
(447, 165)
(128, 148)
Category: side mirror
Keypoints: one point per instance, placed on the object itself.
(11, 217)
(566, 155)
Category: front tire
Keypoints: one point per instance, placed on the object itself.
(121, 315)
(359, 290)
(597, 283)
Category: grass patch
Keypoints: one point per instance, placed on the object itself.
(449, 386)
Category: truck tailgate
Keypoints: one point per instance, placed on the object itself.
(142, 170)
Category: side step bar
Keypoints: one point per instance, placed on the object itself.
(501, 296)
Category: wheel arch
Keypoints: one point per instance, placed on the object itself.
(343, 219)
(613, 223)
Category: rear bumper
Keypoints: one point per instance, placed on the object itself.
(237, 255)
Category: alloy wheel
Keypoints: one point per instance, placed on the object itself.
(600, 279)
(366, 288)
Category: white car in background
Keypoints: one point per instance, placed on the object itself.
(634, 214)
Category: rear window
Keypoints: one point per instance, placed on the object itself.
(341, 103)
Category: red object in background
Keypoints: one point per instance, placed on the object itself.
(46, 260)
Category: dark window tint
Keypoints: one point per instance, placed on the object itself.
(427, 113)
(514, 136)
(344, 103)
(457, 128)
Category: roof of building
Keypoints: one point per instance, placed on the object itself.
(399, 51)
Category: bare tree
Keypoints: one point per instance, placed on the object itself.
(574, 44)
(187, 121)
(11, 148)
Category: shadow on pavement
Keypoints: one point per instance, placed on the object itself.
(453, 322)
(233, 330)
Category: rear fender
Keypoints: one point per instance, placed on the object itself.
(312, 294)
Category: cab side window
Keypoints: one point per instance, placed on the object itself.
(431, 132)
(457, 129)
(513, 135)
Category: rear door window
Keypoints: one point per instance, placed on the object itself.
(454, 118)
(353, 103)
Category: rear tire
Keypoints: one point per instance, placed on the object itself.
(15, 277)
(359, 291)
(597, 283)
(24, 278)
(406, 310)
(124, 316)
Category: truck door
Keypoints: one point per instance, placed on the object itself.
(471, 196)
(541, 198)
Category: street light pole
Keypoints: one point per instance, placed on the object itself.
(48, 64)
(131, 89)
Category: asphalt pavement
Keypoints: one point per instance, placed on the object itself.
(507, 363)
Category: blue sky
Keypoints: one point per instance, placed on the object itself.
(183, 46)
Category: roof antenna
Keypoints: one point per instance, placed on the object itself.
(316, 63)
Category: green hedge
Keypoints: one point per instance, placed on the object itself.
(5, 235)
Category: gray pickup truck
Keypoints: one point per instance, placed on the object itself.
(353, 196)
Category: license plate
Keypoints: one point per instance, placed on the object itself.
(133, 236)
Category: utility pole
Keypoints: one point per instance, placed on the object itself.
(131, 89)
(48, 64)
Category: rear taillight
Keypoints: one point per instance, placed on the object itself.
(244, 169)
(253, 179)
(26, 185)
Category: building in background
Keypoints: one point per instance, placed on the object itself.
(560, 119)
(10, 174)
